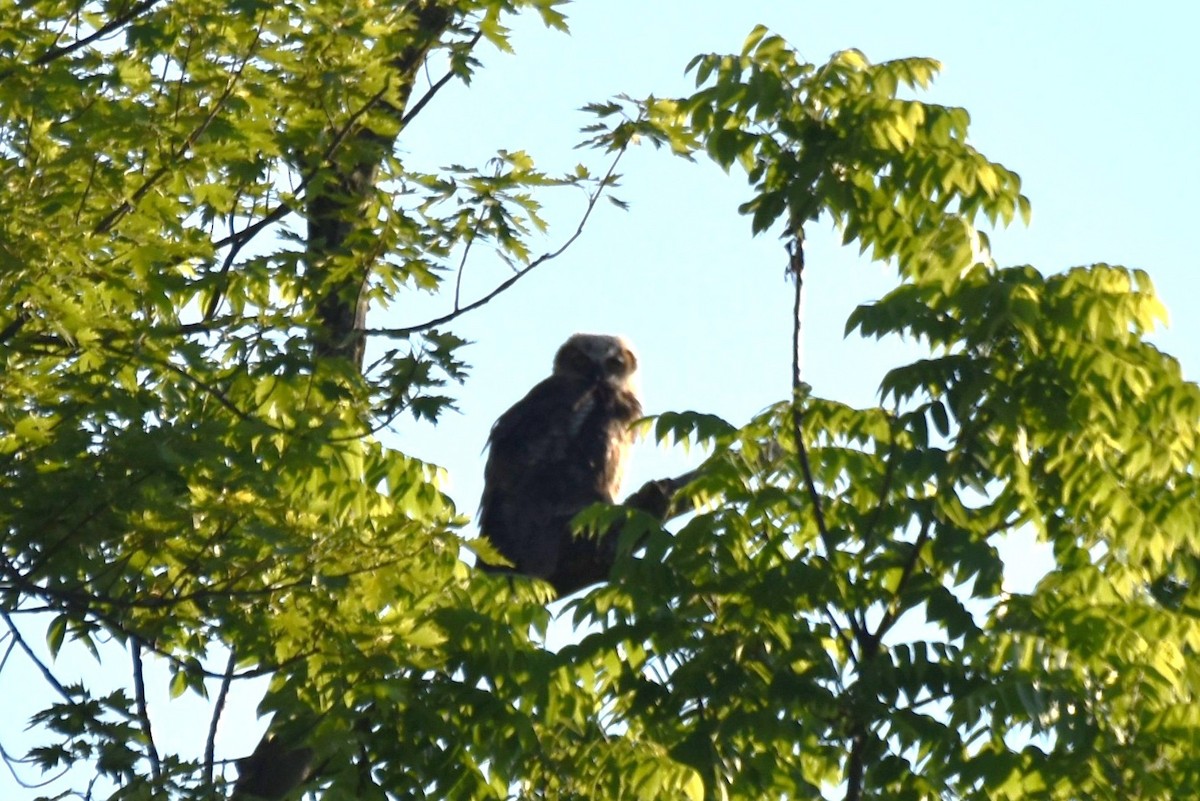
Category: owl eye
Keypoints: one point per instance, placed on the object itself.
(614, 364)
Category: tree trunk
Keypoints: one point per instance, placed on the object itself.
(335, 206)
(337, 201)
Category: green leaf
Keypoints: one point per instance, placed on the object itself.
(56, 632)
(753, 39)
(178, 685)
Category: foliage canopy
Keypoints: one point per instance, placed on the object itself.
(200, 202)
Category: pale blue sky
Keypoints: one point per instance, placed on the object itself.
(1094, 105)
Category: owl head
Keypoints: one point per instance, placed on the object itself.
(597, 358)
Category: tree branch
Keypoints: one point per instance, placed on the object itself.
(239, 239)
(435, 88)
(55, 603)
(892, 613)
(795, 250)
(855, 765)
(210, 744)
(10, 761)
(889, 472)
(55, 53)
(545, 257)
(143, 714)
(462, 262)
(41, 666)
(13, 328)
(796, 269)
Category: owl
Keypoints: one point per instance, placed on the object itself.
(559, 449)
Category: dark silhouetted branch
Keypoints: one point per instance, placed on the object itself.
(143, 714)
(210, 744)
(38, 663)
(459, 311)
(55, 53)
(796, 270)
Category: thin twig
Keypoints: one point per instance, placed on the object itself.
(115, 626)
(545, 257)
(87, 190)
(7, 653)
(250, 231)
(73, 17)
(210, 745)
(97, 603)
(435, 88)
(41, 666)
(892, 613)
(462, 263)
(10, 761)
(889, 473)
(855, 766)
(215, 393)
(143, 713)
(239, 239)
(845, 639)
(796, 270)
(58, 52)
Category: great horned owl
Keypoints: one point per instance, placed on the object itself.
(556, 451)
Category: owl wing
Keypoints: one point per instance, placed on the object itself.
(535, 480)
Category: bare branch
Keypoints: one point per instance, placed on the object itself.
(892, 613)
(41, 666)
(889, 473)
(540, 260)
(210, 745)
(462, 263)
(143, 715)
(7, 652)
(845, 639)
(796, 270)
(239, 239)
(435, 88)
(855, 766)
(72, 18)
(10, 762)
(100, 604)
(243, 236)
